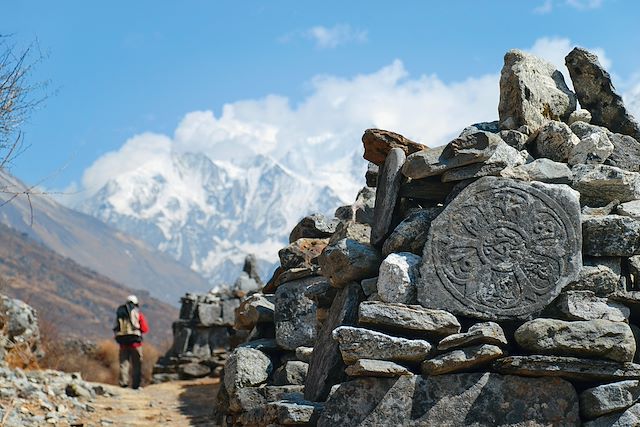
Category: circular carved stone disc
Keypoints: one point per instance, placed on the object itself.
(502, 249)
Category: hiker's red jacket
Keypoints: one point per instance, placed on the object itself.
(144, 328)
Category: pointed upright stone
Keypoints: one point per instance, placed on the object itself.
(596, 93)
(387, 195)
(326, 367)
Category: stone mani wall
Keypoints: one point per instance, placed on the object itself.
(493, 281)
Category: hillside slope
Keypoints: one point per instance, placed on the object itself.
(70, 299)
(97, 246)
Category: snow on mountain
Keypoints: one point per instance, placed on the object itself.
(209, 214)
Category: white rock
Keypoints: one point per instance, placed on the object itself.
(396, 281)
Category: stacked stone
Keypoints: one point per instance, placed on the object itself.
(204, 334)
(491, 281)
(264, 378)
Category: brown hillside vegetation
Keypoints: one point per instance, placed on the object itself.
(71, 300)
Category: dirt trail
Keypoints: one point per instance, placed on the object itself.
(179, 403)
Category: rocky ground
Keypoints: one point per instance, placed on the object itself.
(52, 398)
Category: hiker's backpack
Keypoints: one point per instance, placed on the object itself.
(127, 326)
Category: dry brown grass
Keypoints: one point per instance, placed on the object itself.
(101, 365)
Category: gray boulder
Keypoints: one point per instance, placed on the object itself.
(293, 372)
(585, 305)
(295, 314)
(532, 92)
(479, 399)
(326, 366)
(596, 93)
(593, 149)
(626, 150)
(254, 309)
(387, 195)
(601, 275)
(592, 338)
(480, 259)
(543, 170)
(555, 141)
(397, 277)
(480, 333)
(246, 367)
(504, 156)
(210, 314)
(302, 253)
(631, 209)
(360, 343)
(19, 330)
(580, 115)
(461, 359)
(408, 319)
(630, 417)
(348, 260)
(611, 235)
(606, 398)
(411, 234)
(601, 184)
(315, 226)
(513, 138)
(465, 150)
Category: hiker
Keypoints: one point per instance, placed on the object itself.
(129, 326)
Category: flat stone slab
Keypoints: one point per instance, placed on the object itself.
(376, 368)
(611, 235)
(378, 143)
(602, 184)
(461, 359)
(407, 319)
(591, 338)
(502, 250)
(478, 399)
(630, 417)
(360, 343)
(585, 305)
(572, 368)
(480, 333)
(604, 399)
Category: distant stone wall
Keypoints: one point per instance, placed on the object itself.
(493, 281)
(204, 334)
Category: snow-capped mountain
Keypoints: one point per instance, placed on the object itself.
(209, 214)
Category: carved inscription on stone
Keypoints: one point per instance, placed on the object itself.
(502, 249)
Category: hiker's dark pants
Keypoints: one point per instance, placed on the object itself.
(130, 358)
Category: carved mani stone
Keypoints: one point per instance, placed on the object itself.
(502, 249)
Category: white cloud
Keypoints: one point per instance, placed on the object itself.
(585, 4)
(555, 49)
(331, 37)
(549, 5)
(137, 152)
(322, 132)
(546, 7)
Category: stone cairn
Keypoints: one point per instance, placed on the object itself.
(204, 335)
(488, 282)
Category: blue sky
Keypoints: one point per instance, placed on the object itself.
(123, 68)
